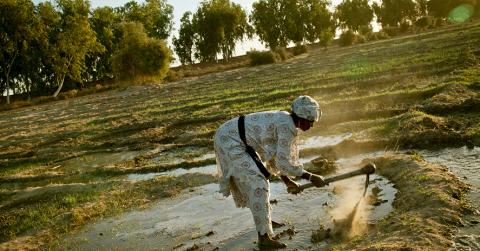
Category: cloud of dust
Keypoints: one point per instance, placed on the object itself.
(351, 214)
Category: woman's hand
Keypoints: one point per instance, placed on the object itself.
(317, 180)
(292, 186)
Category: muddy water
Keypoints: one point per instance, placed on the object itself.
(205, 219)
(210, 169)
(202, 219)
(322, 141)
(318, 141)
(465, 163)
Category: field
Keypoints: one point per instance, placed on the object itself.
(64, 164)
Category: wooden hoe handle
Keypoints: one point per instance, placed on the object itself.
(367, 169)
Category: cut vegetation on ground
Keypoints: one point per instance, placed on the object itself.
(64, 163)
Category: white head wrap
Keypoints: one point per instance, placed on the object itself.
(307, 108)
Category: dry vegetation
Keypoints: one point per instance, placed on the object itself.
(63, 163)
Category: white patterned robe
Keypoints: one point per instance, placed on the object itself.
(273, 135)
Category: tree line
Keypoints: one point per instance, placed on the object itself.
(46, 45)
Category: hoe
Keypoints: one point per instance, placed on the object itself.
(367, 169)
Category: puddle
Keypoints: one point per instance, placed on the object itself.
(204, 219)
(200, 218)
(98, 160)
(168, 158)
(162, 160)
(323, 141)
(465, 163)
(172, 157)
(210, 169)
(205, 157)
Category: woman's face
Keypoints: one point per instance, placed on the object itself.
(305, 124)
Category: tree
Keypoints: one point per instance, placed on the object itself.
(294, 17)
(353, 14)
(267, 17)
(184, 44)
(16, 35)
(140, 55)
(422, 6)
(439, 8)
(394, 12)
(32, 73)
(73, 40)
(279, 22)
(49, 22)
(105, 22)
(155, 15)
(319, 22)
(442, 8)
(218, 25)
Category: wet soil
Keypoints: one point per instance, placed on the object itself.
(429, 207)
(316, 219)
(403, 93)
(203, 219)
(464, 162)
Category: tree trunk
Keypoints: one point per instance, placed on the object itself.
(29, 90)
(8, 92)
(62, 79)
(59, 86)
(8, 77)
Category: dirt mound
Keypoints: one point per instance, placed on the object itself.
(415, 129)
(452, 94)
(428, 208)
(453, 98)
(417, 121)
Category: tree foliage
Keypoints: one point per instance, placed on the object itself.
(442, 8)
(279, 22)
(105, 23)
(184, 43)
(73, 40)
(394, 12)
(218, 25)
(16, 36)
(155, 15)
(44, 45)
(353, 14)
(140, 55)
(319, 22)
(266, 17)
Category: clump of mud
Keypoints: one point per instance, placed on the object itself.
(373, 199)
(323, 166)
(321, 234)
(290, 232)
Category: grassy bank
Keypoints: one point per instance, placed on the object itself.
(429, 205)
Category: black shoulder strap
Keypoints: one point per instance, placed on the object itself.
(241, 129)
(250, 150)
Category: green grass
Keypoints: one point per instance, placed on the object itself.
(373, 90)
